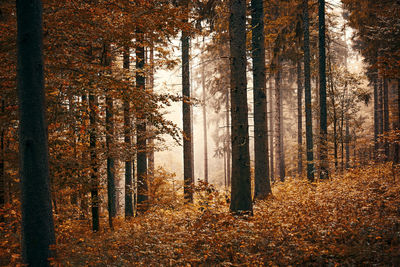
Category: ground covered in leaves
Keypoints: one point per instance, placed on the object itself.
(352, 219)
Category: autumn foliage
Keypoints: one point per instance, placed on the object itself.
(350, 220)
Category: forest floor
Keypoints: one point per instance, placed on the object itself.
(351, 220)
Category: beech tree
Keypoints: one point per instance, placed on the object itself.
(37, 217)
(240, 188)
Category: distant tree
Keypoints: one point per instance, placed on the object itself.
(37, 217)
(262, 185)
(240, 189)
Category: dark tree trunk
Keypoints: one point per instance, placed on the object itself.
(109, 143)
(186, 107)
(397, 146)
(142, 197)
(37, 217)
(299, 120)
(203, 85)
(2, 155)
(93, 162)
(127, 140)
(241, 188)
(262, 186)
(322, 91)
(307, 95)
(386, 117)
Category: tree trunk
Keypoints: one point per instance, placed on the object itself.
(397, 146)
(142, 186)
(128, 145)
(376, 119)
(2, 170)
(93, 106)
(151, 138)
(279, 124)
(386, 117)
(109, 143)
(307, 95)
(324, 174)
(299, 120)
(335, 119)
(241, 187)
(262, 186)
(203, 85)
(271, 135)
(227, 141)
(37, 217)
(186, 107)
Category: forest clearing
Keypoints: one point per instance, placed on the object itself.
(199, 133)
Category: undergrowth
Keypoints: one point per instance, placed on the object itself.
(352, 219)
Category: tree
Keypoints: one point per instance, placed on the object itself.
(307, 94)
(299, 120)
(240, 188)
(141, 127)
(322, 91)
(262, 185)
(187, 131)
(37, 217)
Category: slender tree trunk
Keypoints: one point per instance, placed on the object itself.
(279, 122)
(142, 186)
(322, 91)
(203, 85)
(271, 135)
(227, 140)
(93, 162)
(386, 117)
(241, 187)
(299, 120)
(376, 119)
(187, 131)
(151, 138)
(335, 119)
(109, 142)
(128, 145)
(37, 217)
(2, 155)
(397, 146)
(380, 111)
(262, 185)
(307, 95)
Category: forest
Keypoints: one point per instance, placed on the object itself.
(199, 133)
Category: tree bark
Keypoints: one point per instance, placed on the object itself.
(241, 188)
(386, 117)
(307, 95)
(299, 120)
(141, 134)
(279, 121)
(271, 135)
(324, 174)
(109, 143)
(186, 107)
(262, 186)
(227, 142)
(203, 85)
(127, 140)
(397, 146)
(37, 217)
